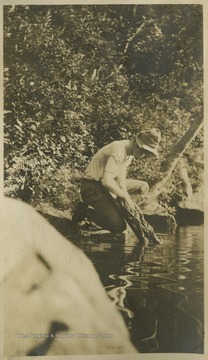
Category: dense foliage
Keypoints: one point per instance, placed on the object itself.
(77, 77)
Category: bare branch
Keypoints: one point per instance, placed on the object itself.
(134, 35)
(174, 156)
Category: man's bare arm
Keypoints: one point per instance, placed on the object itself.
(112, 186)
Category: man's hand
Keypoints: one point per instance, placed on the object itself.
(111, 185)
(128, 203)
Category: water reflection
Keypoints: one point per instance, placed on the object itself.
(158, 289)
(118, 294)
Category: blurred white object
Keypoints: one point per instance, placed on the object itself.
(54, 302)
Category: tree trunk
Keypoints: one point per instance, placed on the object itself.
(186, 183)
(173, 157)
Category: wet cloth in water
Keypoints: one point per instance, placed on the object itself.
(105, 212)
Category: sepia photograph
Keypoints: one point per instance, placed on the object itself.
(103, 206)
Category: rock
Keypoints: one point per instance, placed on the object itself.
(54, 302)
(189, 216)
(190, 211)
(162, 223)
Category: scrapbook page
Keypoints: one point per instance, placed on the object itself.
(104, 209)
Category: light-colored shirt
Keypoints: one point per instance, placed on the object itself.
(111, 158)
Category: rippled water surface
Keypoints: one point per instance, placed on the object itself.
(159, 289)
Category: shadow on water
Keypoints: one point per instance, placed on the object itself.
(158, 289)
(61, 224)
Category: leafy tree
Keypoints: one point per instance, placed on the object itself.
(79, 76)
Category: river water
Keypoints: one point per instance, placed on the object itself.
(158, 289)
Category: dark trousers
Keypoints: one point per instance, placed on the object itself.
(105, 212)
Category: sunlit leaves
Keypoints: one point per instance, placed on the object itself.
(70, 86)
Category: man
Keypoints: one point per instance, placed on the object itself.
(106, 174)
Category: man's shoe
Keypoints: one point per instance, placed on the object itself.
(79, 213)
(74, 229)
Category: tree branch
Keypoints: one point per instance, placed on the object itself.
(134, 35)
(174, 156)
(127, 46)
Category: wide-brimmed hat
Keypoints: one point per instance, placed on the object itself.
(149, 140)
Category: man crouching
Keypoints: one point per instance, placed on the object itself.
(106, 174)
